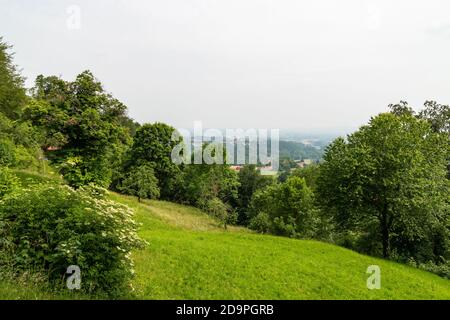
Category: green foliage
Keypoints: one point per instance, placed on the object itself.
(211, 187)
(191, 258)
(288, 206)
(203, 182)
(310, 173)
(387, 183)
(442, 269)
(8, 182)
(18, 144)
(286, 166)
(250, 180)
(219, 210)
(437, 115)
(50, 227)
(30, 178)
(152, 145)
(7, 152)
(261, 222)
(141, 182)
(35, 286)
(12, 92)
(82, 170)
(82, 126)
(401, 109)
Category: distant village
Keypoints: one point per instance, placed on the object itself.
(268, 170)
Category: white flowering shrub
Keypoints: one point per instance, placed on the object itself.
(53, 227)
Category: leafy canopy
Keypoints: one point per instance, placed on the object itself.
(141, 182)
(82, 125)
(388, 179)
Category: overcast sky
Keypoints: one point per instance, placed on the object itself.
(321, 64)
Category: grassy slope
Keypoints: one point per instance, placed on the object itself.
(29, 290)
(190, 257)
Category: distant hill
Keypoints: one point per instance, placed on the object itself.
(299, 151)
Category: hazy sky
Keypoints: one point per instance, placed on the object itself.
(241, 63)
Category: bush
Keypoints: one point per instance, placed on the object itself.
(25, 158)
(8, 182)
(442, 270)
(79, 171)
(260, 223)
(287, 208)
(17, 156)
(52, 227)
(7, 152)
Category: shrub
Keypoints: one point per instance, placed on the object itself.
(79, 171)
(25, 158)
(52, 227)
(288, 209)
(260, 222)
(7, 152)
(8, 182)
(442, 270)
(17, 156)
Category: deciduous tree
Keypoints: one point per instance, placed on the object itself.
(388, 178)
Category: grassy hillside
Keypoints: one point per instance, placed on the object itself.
(190, 257)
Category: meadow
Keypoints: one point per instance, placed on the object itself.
(190, 256)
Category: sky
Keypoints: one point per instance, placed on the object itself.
(307, 65)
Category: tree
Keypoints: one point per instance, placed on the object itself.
(388, 180)
(12, 91)
(79, 120)
(141, 182)
(310, 173)
(286, 166)
(219, 210)
(250, 180)
(401, 108)
(19, 146)
(211, 187)
(202, 182)
(153, 145)
(286, 209)
(437, 115)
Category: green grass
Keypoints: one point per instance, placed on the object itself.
(31, 178)
(33, 287)
(190, 256)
